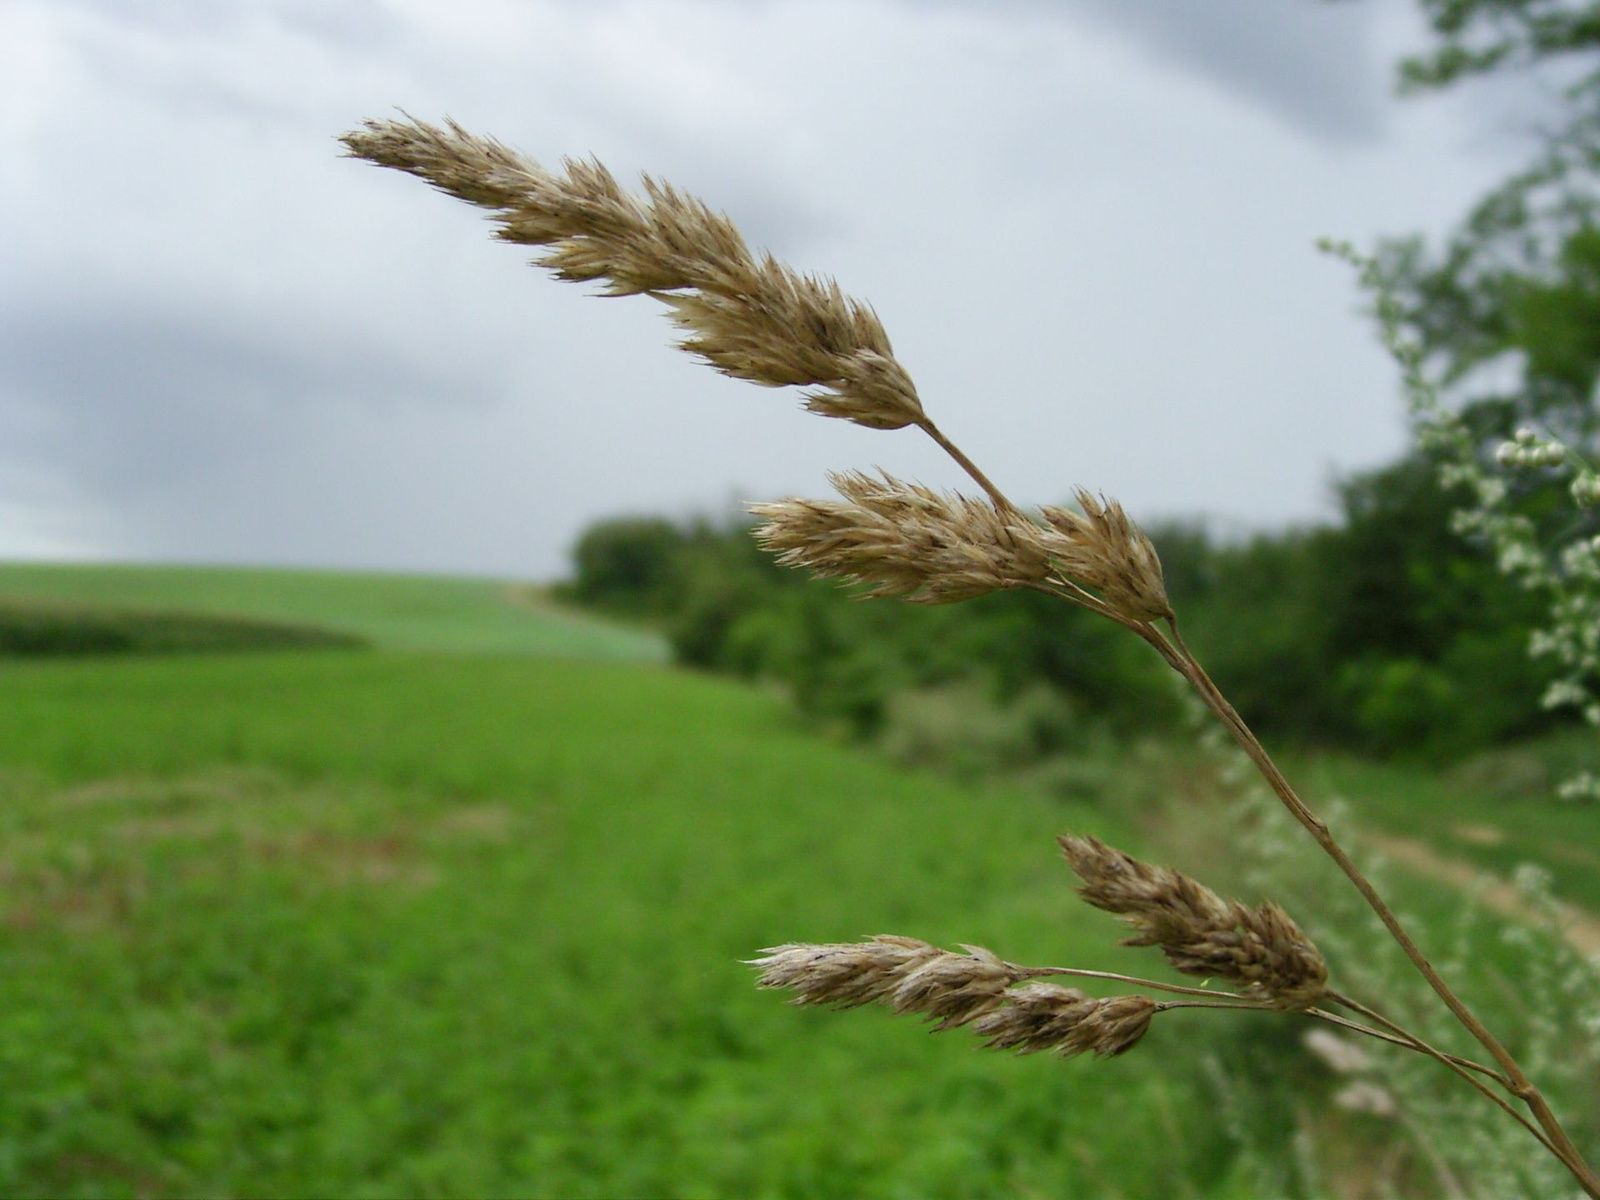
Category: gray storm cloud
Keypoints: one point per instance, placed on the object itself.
(1086, 225)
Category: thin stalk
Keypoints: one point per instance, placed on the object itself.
(1183, 661)
(1407, 1037)
(1463, 1067)
(1406, 1042)
(1253, 1006)
(1042, 972)
(1073, 594)
(1495, 1097)
(1392, 1033)
(967, 465)
(1171, 647)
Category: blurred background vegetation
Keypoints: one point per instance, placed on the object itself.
(1386, 633)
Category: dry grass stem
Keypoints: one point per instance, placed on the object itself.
(1260, 949)
(750, 317)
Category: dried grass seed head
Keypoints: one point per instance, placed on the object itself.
(1102, 548)
(1261, 949)
(905, 540)
(751, 318)
(908, 975)
(843, 974)
(952, 989)
(1047, 1016)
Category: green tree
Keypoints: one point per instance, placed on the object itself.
(1517, 286)
(627, 564)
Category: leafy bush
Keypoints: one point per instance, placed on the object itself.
(626, 563)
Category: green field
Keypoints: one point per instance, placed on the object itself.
(411, 923)
(395, 921)
(398, 612)
(396, 925)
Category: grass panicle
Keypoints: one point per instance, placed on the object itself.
(1103, 549)
(950, 990)
(1260, 949)
(754, 318)
(1047, 1016)
(906, 540)
(750, 317)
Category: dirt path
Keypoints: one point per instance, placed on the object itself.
(1582, 929)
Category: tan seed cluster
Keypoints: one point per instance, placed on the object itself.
(843, 974)
(1260, 949)
(906, 540)
(1046, 1016)
(1103, 549)
(748, 316)
(958, 989)
(908, 975)
(954, 988)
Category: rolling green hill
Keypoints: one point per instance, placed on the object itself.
(403, 612)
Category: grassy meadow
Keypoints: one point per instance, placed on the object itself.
(400, 923)
(460, 913)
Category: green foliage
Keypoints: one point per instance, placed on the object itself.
(424, 924)
(1259, 617)
(1556, 322)
(1518, 284)
(962, 729)
(1503, 317)
(1477, 37)
(418, 925)
(627, 563)
(1388, 632)
(1429, 640)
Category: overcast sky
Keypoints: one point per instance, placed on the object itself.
(1086, 224)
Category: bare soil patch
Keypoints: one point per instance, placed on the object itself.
(1580, 928)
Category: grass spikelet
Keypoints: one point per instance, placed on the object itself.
(905, 540)
(749, 317)
(1104, 549)
(1201, 933)
(1047, 1016)
(843, 974)
(954, 988)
